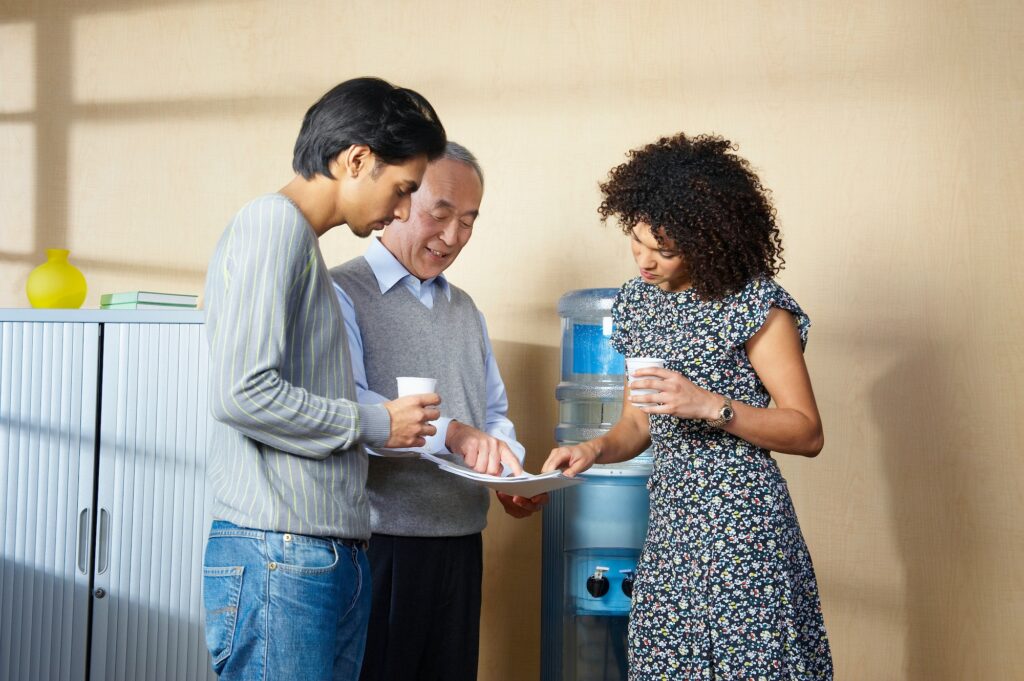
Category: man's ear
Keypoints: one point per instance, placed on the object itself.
(357, 159)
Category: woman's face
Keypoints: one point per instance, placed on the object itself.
(660, 264)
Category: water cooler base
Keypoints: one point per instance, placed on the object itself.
(600, 648)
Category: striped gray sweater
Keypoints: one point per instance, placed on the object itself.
(286, 454)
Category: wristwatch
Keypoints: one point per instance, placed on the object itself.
(725, 414)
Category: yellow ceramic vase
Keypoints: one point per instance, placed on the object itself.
(56, 283)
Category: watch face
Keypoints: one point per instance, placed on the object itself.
(727, 413)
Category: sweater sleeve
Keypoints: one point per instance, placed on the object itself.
(263, 268)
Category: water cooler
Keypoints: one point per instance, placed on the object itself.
(592, 532)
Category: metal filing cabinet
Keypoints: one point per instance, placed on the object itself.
(103, 430)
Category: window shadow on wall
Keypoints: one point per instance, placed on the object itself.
(53, 112)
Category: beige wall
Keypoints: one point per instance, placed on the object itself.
(891, 133)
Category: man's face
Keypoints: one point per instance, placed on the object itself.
(443, 213)
(381, 194)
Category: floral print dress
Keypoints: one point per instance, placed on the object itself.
(725, 588)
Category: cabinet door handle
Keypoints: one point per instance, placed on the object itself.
(103, 543)
(82, 551)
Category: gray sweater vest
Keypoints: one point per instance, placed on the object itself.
(402, 337)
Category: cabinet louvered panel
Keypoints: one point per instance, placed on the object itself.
(153, 508)
(47, 455)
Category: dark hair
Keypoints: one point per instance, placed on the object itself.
(396, 123)
(708, 202)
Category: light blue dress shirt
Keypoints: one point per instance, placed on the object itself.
(389, 273)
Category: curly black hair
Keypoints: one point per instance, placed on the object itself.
(696, 193)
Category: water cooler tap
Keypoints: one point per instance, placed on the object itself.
(597, 583)
(627, 582)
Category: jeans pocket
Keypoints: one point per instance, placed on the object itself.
(308, 555)
(360, 579)
(222, 587)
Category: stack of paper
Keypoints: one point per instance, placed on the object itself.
(525, 485)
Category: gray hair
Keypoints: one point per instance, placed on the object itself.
(457, 152)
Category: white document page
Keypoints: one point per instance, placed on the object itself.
(525, 485)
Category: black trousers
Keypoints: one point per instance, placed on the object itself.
(425, 616)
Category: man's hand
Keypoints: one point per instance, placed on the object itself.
(409, 419)
(521, 507)
(482, 452)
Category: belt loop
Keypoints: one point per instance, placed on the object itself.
(363, 544)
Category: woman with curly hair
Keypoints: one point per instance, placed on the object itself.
(724, 588)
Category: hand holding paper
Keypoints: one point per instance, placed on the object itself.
(571, 460)
(483, 453)
(521, 507)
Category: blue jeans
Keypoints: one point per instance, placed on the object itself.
(284, 606)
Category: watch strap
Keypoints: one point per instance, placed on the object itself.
(725, 414)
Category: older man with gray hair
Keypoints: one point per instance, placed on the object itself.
(404, 318)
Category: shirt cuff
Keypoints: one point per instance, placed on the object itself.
(517, 449)
(374, 425)
(436, 442)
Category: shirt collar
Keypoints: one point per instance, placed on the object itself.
(389, 270)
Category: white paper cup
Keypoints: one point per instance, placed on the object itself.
(415, 385)
(634, 363)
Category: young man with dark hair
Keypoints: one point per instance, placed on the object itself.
(285, 575)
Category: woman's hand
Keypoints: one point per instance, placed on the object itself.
(572, 459)
(677, 395)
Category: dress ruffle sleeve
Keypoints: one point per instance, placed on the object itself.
(750, 307)
(622, 325)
